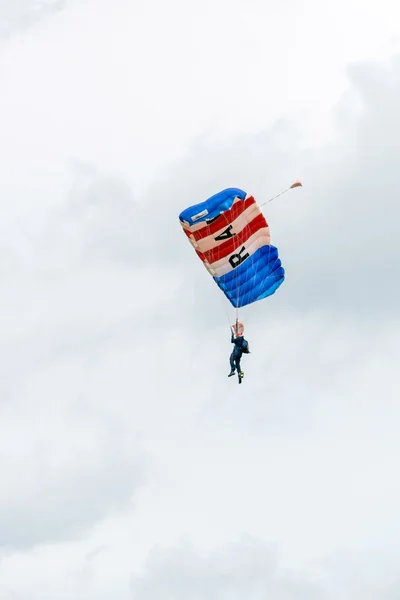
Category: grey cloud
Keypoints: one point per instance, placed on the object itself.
(80, 255)
(253, 570)
(243, 570)
(66, 481)
(104, 208)
(67, 300)
(99, 223)
(16, 15)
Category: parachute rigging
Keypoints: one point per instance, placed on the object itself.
(232, 238)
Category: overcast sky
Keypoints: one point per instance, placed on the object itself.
(131, 467)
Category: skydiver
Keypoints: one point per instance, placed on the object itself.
(241, 347)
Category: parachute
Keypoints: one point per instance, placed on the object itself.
(232, 238)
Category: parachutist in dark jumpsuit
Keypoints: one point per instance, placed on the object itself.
(241, 347)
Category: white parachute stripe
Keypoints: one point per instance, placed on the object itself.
(252, 244)
(258, 239)
(238, 225)
(201, 224)
(205, 262)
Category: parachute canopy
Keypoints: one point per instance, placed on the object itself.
(231, 236)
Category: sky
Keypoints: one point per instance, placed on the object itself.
(131, 467)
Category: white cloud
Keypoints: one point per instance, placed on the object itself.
(22, 14)
(244, 569)
(61, 473)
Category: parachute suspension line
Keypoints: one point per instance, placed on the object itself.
(252, 285)
(294, 185)
(237, 304)
(226, 311)
(237, 291)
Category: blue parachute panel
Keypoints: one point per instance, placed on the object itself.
(211, 208)
(256, 278)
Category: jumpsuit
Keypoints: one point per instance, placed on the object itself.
(235, 357)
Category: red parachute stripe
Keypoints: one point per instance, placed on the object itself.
(230, 245)
(225, 219)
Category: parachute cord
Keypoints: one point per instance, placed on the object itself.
(294, 185)
(237, 320)
(277, 196)
(223, 300)
(237, 304)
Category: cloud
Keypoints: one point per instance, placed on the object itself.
(247, 569)
(66, 463)
(101, 222)
(62, 475)
(20, 15)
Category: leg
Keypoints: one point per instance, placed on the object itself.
(239, 370)
(232, 363)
